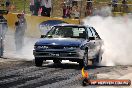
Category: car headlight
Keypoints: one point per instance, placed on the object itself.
(41, 47)
(70, 47)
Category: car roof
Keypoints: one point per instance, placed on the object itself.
(73, 25)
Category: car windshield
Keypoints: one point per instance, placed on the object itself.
(67, 32)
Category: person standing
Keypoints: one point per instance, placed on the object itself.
(36, 6)
(7, 3)
(43, 13)
(4, 26)
(114, 4)
(20, 26)
(89, 8)
(77, 13)
(3, 30)
(32, 6)
(48, 5)
(64, 8)
(124, 1)
(68, 11)
(124, 6)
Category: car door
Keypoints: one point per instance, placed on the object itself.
(91, 44)
(97, 41)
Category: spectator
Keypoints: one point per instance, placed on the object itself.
(67, 8)
(43, 13)
(36, 6)
(76, 13)
(95, 12)
(64, 7)
(114, 4)
(74, 7)
(89, 8)
(124, 1)
(12, 7)
(20, 31)
(7, 4)
(124, 6)
(90, 3)
(74, 3)
(48, 6)
(3, 30)
(88, 11)
(69, 2)
(32, 6)
(68, 12)
(4, 26)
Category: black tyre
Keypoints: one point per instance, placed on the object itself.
(97, 60)
(85, 59)
(57, 61)
(81, 64)
(38, 62)
(84, 62)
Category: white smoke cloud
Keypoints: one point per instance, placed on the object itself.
(115, 31)
(117, 35)
(10, 47)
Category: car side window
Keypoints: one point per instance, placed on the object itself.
(94, 33)
(89, 32)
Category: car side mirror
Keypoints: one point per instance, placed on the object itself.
(91, 38)
(43, 36)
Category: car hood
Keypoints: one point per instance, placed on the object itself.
(59, 41)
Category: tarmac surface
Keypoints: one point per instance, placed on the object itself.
(17, 70)
(23, 74)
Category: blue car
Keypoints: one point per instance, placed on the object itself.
(76, 43)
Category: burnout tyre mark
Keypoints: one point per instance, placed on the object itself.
(23, 77)
(50, 77)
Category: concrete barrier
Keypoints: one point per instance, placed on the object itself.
(119, 14)
(33, 23)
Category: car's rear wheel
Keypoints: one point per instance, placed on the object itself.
(57, 61)
(38, 62)
(97, 60)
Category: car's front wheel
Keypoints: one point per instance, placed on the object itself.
(85, 59)
(38, 62)
(84, 62)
